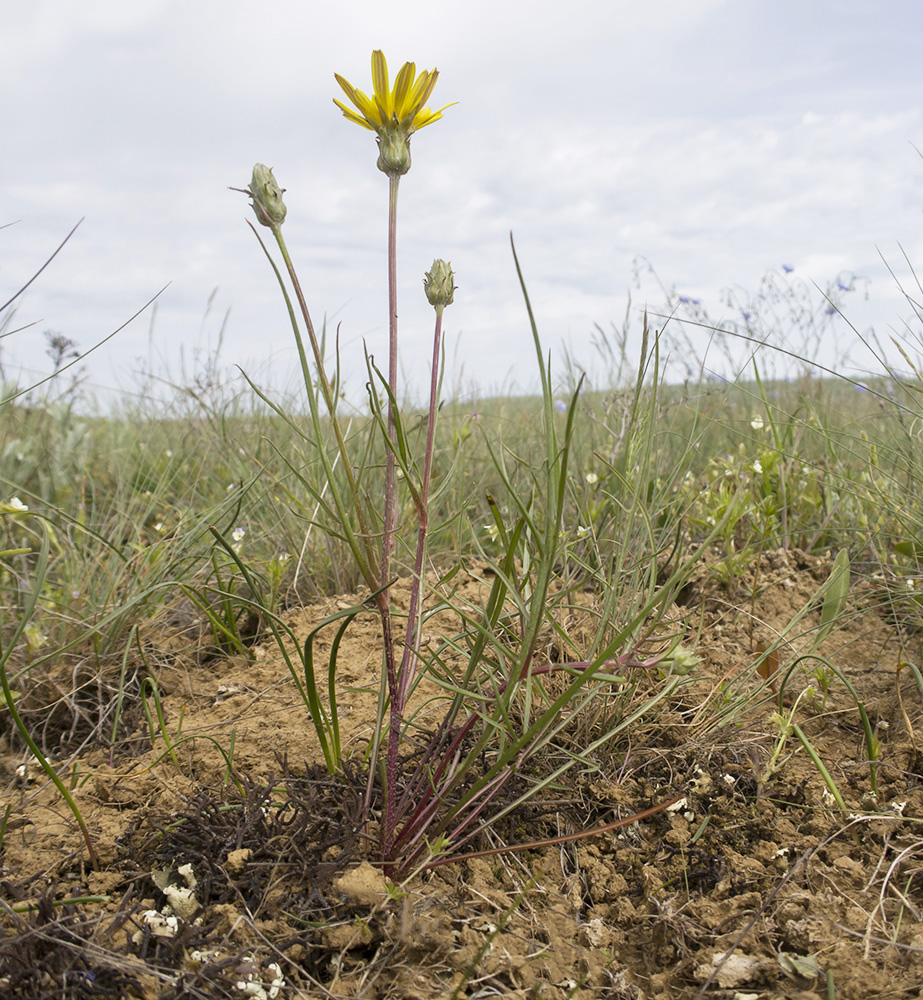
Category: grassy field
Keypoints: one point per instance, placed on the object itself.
(126, 499)
(123, 509)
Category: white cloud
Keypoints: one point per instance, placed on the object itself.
(717, 140)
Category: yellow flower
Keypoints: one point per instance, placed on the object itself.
(393, 113)
(404, 105)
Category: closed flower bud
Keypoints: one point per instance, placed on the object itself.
(439, 284)
(267, 197)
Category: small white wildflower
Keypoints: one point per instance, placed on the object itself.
(492, 531)
(582, 531)
(283, 558)
(168, 453)
(757, 467)
(17, 504)
(238, 534)
(159, 527)
(158, 925)
(232, 487)
(757, 423)
(911, 583)
(278, 980)
(592, 478)
(20, 457)
(201, 957)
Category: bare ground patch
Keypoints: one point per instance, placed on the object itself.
(211, 888)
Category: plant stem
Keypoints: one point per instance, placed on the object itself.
(412, 645)
(390, 491)
(387, 542)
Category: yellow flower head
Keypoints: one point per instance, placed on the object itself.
(404, 105)
(393, 113)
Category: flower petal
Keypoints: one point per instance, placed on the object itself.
(403, 107)
(352, 116)
(348, 88)
(380, 79)
(403, 86)
(362, 101)
(426, 81)
(368, 108)
(426, 117)
(382, 114)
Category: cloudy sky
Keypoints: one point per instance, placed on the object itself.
(713, 140)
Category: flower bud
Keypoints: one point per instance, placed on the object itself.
(393, 151)
(439, 284)
(267, 197)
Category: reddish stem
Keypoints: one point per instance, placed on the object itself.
(566, 838)
(412, 644)
(387, 543)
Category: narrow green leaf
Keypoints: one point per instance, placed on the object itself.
(837, 589)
